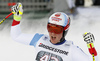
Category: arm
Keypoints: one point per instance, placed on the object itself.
(78, 55)
(18, 36)
(16, 33)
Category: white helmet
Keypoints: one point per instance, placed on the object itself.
(60, 18)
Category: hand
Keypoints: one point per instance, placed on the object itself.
(17, 10)
(88, 37)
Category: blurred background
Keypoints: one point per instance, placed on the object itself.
(84, 14)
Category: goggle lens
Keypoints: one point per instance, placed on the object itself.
(55, 28)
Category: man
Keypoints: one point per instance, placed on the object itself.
(53, 47)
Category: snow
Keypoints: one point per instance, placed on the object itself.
(87, 20)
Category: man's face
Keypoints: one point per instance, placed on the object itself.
(55, 38)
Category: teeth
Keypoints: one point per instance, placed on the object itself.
(53, 37)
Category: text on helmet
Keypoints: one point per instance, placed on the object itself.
(56, 19)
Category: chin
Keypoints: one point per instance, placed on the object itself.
(53, 42)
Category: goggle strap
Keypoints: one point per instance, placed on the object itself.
(67, 25)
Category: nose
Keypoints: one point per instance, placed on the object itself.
(52, 33)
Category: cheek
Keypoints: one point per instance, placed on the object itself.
(60, 36)
(49, 33)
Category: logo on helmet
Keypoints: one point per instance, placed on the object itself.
(55, 18)
(58, 14)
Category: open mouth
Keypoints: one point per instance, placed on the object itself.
(53, 37)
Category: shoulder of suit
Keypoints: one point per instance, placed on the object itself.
(69, 43)
(45, 37)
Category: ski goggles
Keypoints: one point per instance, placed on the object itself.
(55, 28)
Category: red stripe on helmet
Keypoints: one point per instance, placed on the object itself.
(68, 24)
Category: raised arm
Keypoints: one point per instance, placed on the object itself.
(79, 55)
(16, 33)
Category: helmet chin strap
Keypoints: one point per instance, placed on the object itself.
(61, 41)
(63, 38)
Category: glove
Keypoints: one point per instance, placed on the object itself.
(17, 10)
(88, 37)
